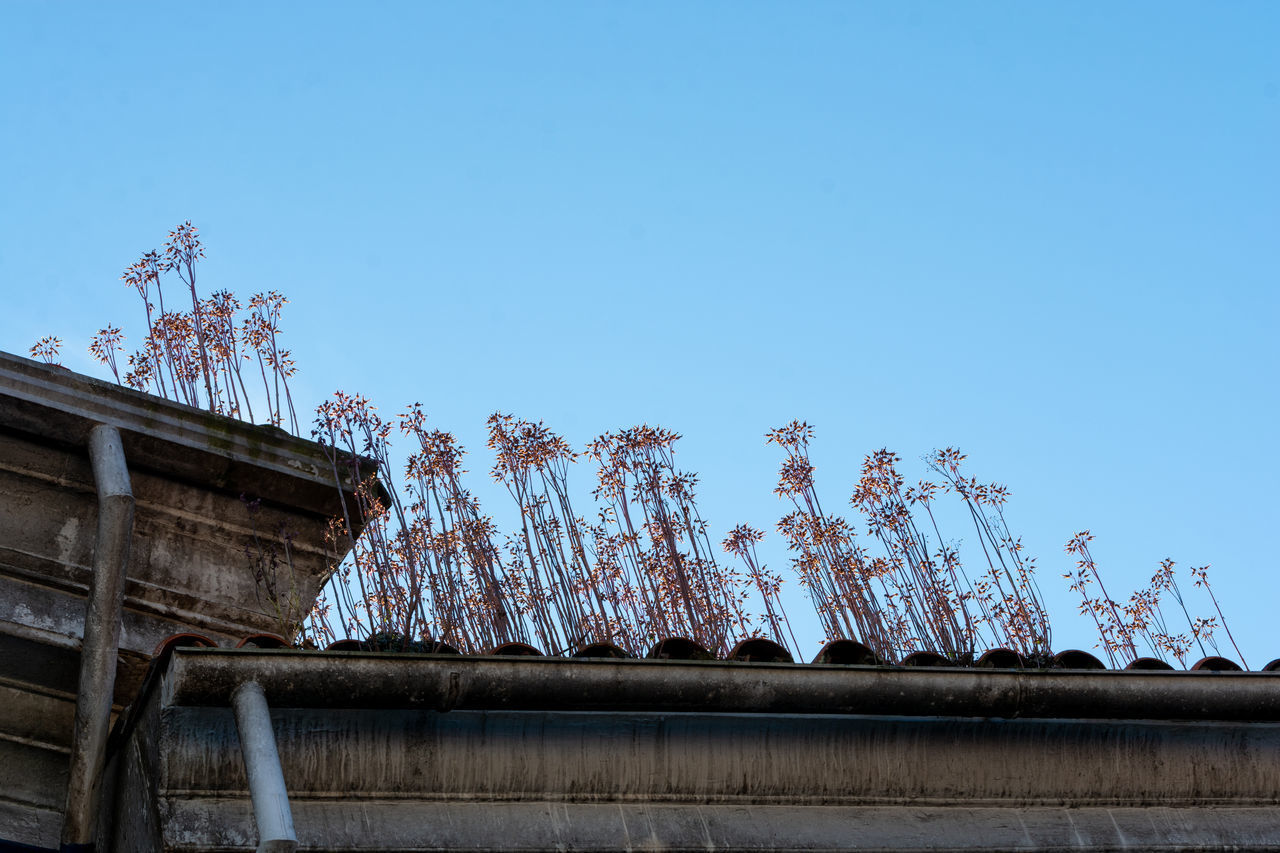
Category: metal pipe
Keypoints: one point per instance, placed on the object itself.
(101, 642)
(371, 680)
(262, 766)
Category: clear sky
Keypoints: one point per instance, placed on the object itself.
(1045, 233)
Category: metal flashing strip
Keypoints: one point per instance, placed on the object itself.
(207, 677)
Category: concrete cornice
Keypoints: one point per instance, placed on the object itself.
(59, 406)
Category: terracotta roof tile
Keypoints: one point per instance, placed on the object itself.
(841, 652)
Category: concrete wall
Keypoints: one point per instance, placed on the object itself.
(187, 569)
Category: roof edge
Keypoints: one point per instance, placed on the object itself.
(56, 405)
(206, 677)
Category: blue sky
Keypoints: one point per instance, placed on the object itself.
(1044, 233)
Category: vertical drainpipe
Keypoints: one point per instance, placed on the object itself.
(101, 638)
(262, 766)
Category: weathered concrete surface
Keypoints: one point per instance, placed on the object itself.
(474, 753)
(33, 780)
(733, 758)
(187, 569)
(130, 816)
(389, 825)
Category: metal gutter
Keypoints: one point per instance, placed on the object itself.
(101, 637)
(293, 679)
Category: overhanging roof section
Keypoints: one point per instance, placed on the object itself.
(176, 543)
(180, 441)
(206, 677)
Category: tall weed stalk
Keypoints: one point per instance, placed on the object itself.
(430, 567)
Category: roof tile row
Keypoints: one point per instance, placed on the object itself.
(751, 650)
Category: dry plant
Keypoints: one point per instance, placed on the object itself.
(914, 593)
(430, 568)
(1122, 628)
(46, 349)
(270, 560)
(198, 356)
(1006, 592)
(652, 543)
(831, 566)
(425, 567)
(567, 601)
(741, 542)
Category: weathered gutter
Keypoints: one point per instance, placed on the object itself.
(101, 637)
(289, 679)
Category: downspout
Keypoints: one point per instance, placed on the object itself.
(262, 766)
(101, 641)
